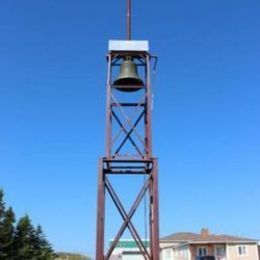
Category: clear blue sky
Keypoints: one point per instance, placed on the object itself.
(205, 120)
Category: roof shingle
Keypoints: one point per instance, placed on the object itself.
(194, 237)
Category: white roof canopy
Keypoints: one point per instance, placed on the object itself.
(116, 45)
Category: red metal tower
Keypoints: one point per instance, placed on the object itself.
(132, 154)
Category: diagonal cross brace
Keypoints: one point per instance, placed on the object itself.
(135, 105)
(128, 133)
(128, 120)
(124, 215)
(127, 218)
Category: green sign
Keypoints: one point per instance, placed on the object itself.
(129, 244)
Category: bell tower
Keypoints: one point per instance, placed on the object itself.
(128, 143)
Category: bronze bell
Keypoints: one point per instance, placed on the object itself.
(128, 79)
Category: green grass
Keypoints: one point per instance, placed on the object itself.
(70, 256)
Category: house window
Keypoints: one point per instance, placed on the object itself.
(220, 251)
(202, 251)
(242, 250)
(185, 252)
(168, 254)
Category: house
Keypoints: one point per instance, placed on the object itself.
(188, 246)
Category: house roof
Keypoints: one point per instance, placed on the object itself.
(202, 238)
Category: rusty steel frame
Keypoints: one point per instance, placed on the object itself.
(117, 164)
(128, 20)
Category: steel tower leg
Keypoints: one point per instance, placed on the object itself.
(154, 212)
(100, 213)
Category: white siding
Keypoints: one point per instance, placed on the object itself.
(250, 253)
(133, 257)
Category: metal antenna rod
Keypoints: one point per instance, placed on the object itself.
(128, 20)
